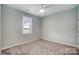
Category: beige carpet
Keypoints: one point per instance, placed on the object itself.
(41, 47)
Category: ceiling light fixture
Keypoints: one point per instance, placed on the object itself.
(42, 11)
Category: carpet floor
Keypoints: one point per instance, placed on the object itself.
(41, 47)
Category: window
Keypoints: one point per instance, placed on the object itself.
(27, 25)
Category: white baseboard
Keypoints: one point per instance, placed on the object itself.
(65, 43)
(18, 44)
(37, 39)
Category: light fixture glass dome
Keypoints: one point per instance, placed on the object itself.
(42, 11)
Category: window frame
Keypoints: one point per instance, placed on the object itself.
(25, 20)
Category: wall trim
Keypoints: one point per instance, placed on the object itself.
(38, 39)
(56, 41)
(18, 44)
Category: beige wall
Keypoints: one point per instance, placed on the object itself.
(61, 27)
(12, 27)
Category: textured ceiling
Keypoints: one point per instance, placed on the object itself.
(34, 9)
